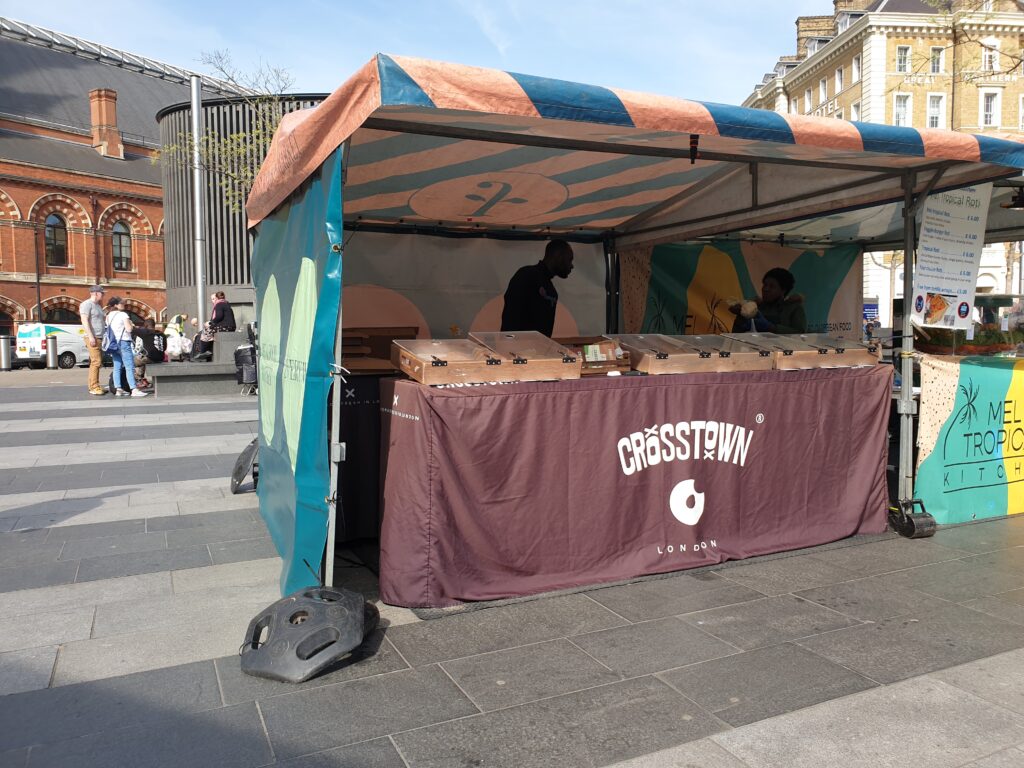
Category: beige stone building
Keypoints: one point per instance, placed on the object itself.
(953, 64)
(905, 62)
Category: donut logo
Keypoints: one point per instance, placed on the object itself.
(686, 503)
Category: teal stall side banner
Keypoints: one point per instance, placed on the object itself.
(296, 266)
(971, 438)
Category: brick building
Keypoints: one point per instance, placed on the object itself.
(80, 194)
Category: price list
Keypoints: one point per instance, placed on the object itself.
(948, 255)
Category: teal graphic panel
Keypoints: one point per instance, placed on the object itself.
(296, 267)
(971, 438)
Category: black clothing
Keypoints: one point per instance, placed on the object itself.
(530, 301)
(223, 317)
(153, 344)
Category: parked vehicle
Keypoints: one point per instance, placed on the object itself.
(32, 341)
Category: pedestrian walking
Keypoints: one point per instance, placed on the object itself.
(118, 342)
(94, 322)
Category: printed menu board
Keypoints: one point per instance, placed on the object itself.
(948, 254)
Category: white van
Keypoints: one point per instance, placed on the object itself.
(31, 344)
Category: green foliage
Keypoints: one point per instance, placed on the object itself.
(232, 160)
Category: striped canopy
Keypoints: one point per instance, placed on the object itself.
(447, 147)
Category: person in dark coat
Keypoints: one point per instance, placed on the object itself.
(222, 318)
(531, 298)
(777, 310)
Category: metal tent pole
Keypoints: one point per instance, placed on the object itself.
(611, 287)
(337, 448)
(907, 406)
(903, 519)
(337, 454)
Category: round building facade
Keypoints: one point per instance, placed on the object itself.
(228, 242)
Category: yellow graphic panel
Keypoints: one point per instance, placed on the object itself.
(1013, 447)
(714, 282)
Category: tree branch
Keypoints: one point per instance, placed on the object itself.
(233, 159)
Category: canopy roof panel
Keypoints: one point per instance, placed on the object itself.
(880, 227)
(463, 148)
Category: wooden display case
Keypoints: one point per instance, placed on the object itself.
(730, 354)
(450, 361)
(655, 354)
(846, 352)
(600, 355)
(788, 353)
(534, 356)
(660, 354)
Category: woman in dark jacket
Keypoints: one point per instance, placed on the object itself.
(222, 318)
(778, 311)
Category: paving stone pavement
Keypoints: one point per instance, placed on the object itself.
(128, 573)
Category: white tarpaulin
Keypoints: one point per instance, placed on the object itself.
(447, 286)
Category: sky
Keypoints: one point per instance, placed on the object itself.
(696, 49)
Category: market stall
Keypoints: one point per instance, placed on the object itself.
(414, 148)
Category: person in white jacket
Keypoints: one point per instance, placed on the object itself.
(118, 342)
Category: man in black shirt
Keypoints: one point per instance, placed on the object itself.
(531, 298)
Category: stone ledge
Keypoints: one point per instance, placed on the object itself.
(225, 344)
(158, 370)
(194, 379)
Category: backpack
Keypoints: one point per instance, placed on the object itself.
(109, 343)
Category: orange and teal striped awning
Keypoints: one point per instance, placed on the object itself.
(462, 148)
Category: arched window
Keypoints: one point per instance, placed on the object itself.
(6, 324)
(56, 241)
(61, 316)
(122, 237)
